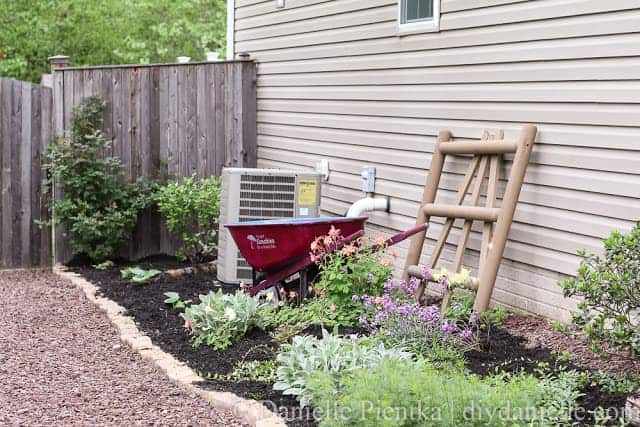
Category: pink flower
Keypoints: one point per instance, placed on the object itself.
(187, 325)
(334, 232)
(385, 261)
(293, 294)
(394, 252)
(314, 258)
(333, 308)
(314, 245)
(380, 240)
(378, 301)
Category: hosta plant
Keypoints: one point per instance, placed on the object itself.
(333, 355)
(221, 318)
(139, 276)
(610, 289)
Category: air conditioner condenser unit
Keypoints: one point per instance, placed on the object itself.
(259, 194)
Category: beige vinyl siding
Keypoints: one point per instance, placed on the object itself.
(336, 82)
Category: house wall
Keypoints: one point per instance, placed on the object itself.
(336, 81)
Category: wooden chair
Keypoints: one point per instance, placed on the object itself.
(486, 155)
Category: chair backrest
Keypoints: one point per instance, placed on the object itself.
(486, 157)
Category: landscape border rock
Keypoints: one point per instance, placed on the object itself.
(249, 411)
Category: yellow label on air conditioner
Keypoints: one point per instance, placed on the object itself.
(307, 192)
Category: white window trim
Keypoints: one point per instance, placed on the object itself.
(231, 24)
(427, 25)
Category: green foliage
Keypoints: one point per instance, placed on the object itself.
(103, 266)
(333, 355)
(394, 393)
(263, 371)
(106, 32)
(461, 309)
(614, 384)
(173, 299)
(221, 318)
(610, 288)
(356, 269)
(139, 276)
(99, 206)
(313, 311)
(191, 208)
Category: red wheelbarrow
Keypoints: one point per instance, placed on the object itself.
(279, 249)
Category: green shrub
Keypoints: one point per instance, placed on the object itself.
(610, 288)
(356, 269)
(394, 393)
(221, 318)
(191, 208)
(99, 206)
(333, 355)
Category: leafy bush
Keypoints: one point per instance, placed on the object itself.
(191, 208)
(394, 393)
(610, 287)
(99, 206)
(398, 320)
(139, 276)
(221, 318)
(360, 267)
(336, 356)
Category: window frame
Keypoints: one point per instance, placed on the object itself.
(423, 25)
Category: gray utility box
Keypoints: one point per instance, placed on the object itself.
(258, 194)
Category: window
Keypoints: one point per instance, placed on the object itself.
(418, 15)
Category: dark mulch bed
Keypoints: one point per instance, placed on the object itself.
(501, 350)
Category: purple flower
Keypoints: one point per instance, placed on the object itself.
(444, 283)
(473, 319)
(467, 333)
(381, 316)
(448, 327)
(390, 286)
(355, 298)
(367, 301)
(362, 320)
(425, 271)
(370, 277)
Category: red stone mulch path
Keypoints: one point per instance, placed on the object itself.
(61, 363)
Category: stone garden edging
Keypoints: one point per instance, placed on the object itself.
(249, 411)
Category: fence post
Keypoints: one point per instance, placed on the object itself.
(57, 63)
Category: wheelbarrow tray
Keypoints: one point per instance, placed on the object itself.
(271, 245)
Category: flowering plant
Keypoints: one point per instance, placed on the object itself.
(398, 320)
(221, 318)
(348, 268)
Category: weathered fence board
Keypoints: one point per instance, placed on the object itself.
(171, 120)
(25, 130)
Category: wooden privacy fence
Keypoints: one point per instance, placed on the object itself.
(25, 129)
(171, 120)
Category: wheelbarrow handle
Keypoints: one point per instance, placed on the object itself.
(397, 238)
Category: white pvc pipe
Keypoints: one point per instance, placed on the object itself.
(368, 204)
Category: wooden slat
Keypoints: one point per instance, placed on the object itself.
(168, 120)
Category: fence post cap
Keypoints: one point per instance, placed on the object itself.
(58, 61)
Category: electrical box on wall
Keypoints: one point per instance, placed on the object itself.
(369, 179)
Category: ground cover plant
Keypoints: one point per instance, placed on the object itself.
(333, 355)
(393, 393)
(139, 276)
(610, 289)
(100, 206)
(191, 208)
(220, 318)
